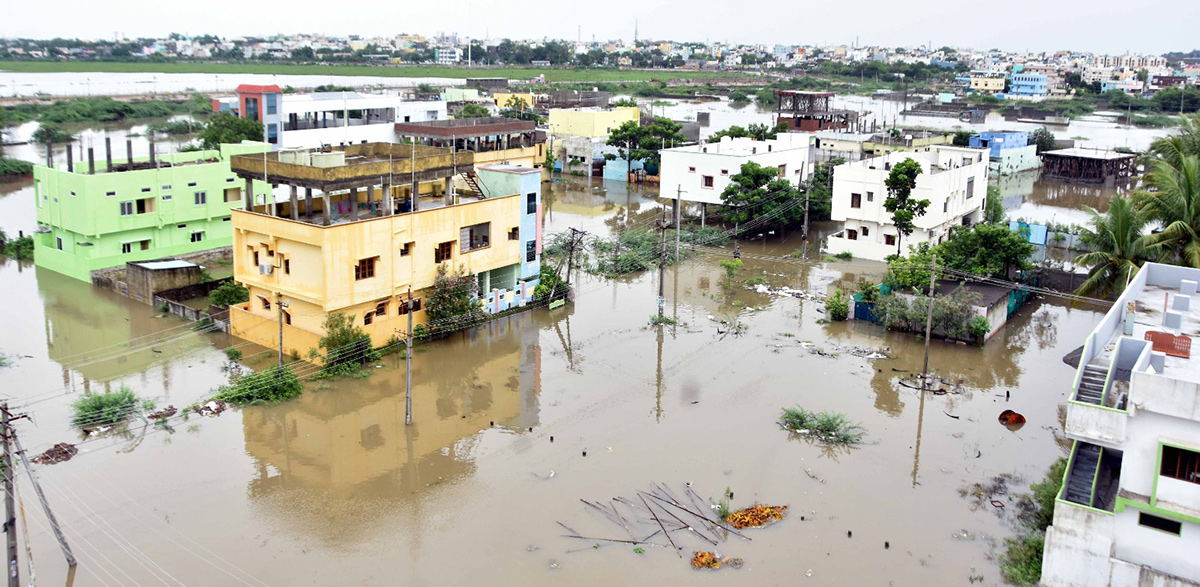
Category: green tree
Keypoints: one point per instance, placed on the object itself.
(632, 140)
(228, 294)
(757, 191)
(991, 250)
(1173, 198)
(346, 345)
(993, 207)
(453, 302)
(473, 111)
(1043, 138)
(1175, 147)
(664, 134)
(224, 128)
(820, 189)
(904, 209)
(962, 138)
(758, 132)
(624, 102)
(50, 133)
(1119, 248)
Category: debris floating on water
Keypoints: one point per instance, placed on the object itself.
(58, 453)
(166, 412)
(705, 560)
(755, 516)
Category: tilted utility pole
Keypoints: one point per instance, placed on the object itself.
(929, 321)
(10, 508)
(408, 340)
(37, 488)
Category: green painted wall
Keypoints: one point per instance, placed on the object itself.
(84, 228)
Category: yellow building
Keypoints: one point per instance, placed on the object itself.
(494, 140)
(501, 98)
(589, 122)
(351, 252)
(987, 84)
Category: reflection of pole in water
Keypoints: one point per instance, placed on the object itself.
(917, 453)
(659, 380)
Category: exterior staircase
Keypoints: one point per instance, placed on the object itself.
(473, 182)
(1091, 386)
(1083, 472)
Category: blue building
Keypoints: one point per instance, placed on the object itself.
(1028, 84)
(1008, 151)
(995, 141)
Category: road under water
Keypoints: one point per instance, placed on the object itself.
(333, 488)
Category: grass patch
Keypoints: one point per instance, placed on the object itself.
(104, 409)
(1021, 563)
(14, 167)
(267, 386)
(844, 256)
(656, 320)
(552, 74)
(827, 427)
(753, 281)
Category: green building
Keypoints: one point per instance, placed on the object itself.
(175, 205)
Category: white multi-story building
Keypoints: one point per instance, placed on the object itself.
(448, 55)
(953, 179)
(1129, 510)
(306, 121)
(699, 173)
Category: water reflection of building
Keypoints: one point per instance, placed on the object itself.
(350, 441)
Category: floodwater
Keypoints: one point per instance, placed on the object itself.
(332, 488)
(1097, 133)
(1026, 196)
(27, 85)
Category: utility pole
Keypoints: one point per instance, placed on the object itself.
(662, 261)
(37, 488)
(929, 321)
(10, 508)
(279, 305)
(678, 213)
(804, 240)
(408, 305)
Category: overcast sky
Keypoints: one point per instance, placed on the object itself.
(1102, 26)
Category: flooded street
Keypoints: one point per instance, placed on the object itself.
(332, 488)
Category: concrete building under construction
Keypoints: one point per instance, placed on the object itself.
(811, 111)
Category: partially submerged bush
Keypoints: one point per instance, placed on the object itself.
(104, 409)
(269, 385)
(1021, 563)
(828, 427)
(656, 320)
(838, 306)
(228, 294)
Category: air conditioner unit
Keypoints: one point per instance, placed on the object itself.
(265, 268)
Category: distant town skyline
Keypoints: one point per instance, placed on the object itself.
(1102, 26)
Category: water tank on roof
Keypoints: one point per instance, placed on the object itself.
(331, 159)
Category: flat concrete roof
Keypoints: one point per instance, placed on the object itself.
(171, 264)
(1085, 153)
(465, 128)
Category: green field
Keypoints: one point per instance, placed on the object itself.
(552, 74)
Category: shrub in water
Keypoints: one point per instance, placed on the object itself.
(103, 409)
(269, 385)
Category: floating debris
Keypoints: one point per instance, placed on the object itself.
(1012, 420)
(212, 408)
(58, 453)
(166, 412)
(755, 516)
(705, 560)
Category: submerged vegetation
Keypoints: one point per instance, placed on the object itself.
(267, 386)
(104, 409)
(638, 250)
(1021, 563)
(827, 427)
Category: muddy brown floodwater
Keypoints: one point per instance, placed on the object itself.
(332, 488)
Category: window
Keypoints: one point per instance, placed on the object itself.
(706, 182)
(287, 317)
(367, 318)
(852, 234)
(72, 194)
(531, 203)
(1161, 524)
(145, 190)
(691, 170)
(946, 206)
(856, 200)
(970, 187)
(287, 266)
(58, 242)
(406, 250)
(365, 269)
(865, 231)
(166, 197)
(381, 309)
(197, 236)
(252, 109)
(416, 306)
(889, 239)
(181, 226)
(145, 205)
(724, 172)
(531, 251)
(191, 184)
(272, 104)
(514, 234)
(475, 237)
(1182, 464)
(443, 252)
(111, 194)
(166, 188)
(266, 304)
(126, 208)
(126, 248)
(783, 170)
(272, 133)
(870, 196)
(233, 194)
(201, 198)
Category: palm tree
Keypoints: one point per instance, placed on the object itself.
(1174, 200)
(1186, 142)
(1119, 247)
